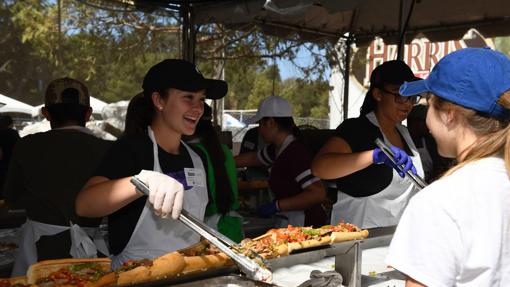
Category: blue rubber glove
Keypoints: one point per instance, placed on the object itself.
(400, 156)
(268, 209)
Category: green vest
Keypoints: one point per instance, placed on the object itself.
(230, 226)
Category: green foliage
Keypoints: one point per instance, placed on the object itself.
(503, 45)
(262, 88)
(309, 98)
(240, 77)
(111, 51)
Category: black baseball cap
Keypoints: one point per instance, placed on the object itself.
(182, 75)
(394, 72)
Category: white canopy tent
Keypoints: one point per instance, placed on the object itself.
(96, 104)
(438, 20)
(12, 106)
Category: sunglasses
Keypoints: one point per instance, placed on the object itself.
(401, 99)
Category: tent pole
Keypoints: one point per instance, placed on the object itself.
(403, 25)
(401, 31)
(347, 65)
(188, 32)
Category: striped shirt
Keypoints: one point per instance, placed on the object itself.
(290, 174)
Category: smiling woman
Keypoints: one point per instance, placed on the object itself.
(171, 105)
(371, 194)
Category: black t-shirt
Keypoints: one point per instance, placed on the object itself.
(8, 137)
(47, 170)
(250, 141)
(360, 134)
(128, 157)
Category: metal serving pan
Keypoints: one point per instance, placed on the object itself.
(222, 276)
(347, 263)
(191, 277)
(347, 259)
(232, 280)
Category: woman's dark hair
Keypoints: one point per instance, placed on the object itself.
(209, 138)
(369, 103)
(394, 72)
(140, 113)
(286, 124)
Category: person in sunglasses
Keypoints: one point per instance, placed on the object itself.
(372, 190)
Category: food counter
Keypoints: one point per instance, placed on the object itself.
(356, 268)
(345, 257)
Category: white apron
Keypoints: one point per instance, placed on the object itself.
(294, 217)
(153, 235)
(81, 244)
(385, 207)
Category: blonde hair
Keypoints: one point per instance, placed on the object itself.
(494, 134)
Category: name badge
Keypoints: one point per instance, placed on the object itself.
(194, 177)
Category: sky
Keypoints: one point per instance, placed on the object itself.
(289, 70)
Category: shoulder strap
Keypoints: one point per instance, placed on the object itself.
(211, 183)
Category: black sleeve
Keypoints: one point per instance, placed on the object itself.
(250, 141)
(121, 160)
(360, 134)
(14, 189)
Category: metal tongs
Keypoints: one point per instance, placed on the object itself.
(249, 267)
(420, 183)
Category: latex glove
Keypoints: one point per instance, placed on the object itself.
(400, 156)
(166, 193)
(268, 209)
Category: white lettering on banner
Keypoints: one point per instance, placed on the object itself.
(421, 55)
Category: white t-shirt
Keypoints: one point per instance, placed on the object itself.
(456, 232)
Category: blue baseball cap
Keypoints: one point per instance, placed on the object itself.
(474, 78)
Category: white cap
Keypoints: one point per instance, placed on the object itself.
(274, 107)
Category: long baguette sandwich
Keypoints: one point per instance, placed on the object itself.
(137, 271)
(203, 256)
(88, 272)
(20, 281)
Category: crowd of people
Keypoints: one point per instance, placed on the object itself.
(457, 138)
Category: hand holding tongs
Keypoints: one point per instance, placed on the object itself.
(223, 243)
(420, 183)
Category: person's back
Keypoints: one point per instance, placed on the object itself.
(474, 212)
(45, 174)
(8, 138)
(49, 169)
